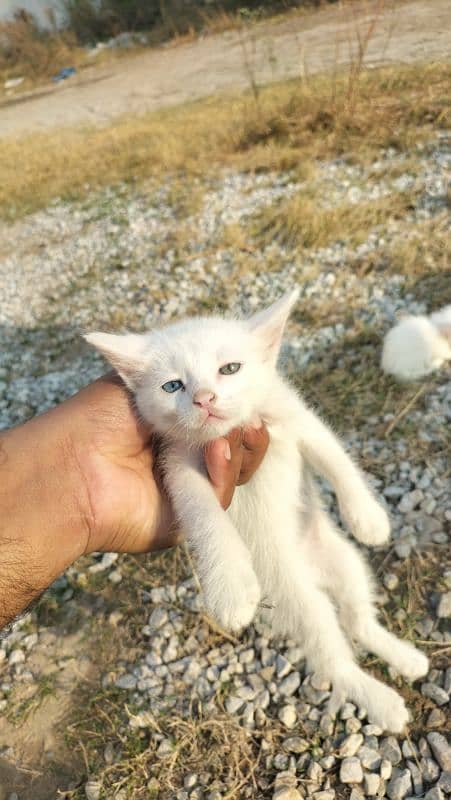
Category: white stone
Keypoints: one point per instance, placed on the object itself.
(351, 770)
(444, 606)
(350, 745)
(371, 783)
(400, 785)
(287, 715)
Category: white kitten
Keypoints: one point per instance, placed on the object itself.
(416, 346)
(197, 379)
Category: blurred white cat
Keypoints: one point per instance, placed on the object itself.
(194, 381)
(417, 345)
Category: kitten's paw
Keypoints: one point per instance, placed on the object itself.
(367, 520)
(408, 661)
(383, 706)
(232, 596)
(388, 710)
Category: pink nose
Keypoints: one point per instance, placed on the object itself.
(203, 398)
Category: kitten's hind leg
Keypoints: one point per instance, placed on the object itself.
(307, 614)
(346, 577)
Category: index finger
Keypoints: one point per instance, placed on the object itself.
(255, 444)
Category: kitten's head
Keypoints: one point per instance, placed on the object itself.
(199, 378)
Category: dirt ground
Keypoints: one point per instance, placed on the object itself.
(270, 51)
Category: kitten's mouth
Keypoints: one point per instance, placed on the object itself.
(210, 417)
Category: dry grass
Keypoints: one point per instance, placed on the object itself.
(293, 123)
(300, 222)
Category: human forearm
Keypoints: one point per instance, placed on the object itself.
(44, 525)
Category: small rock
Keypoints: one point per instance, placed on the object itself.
(400, 785)
(351, 771)
(190, 780)
(126, 681)
(16, 657)
(369, 758)
(295, 744)
(434, 794)
(350, 745)
(386, 769)
(285, 787)
(108, 753)
(445, 782)
(444, 606)
(93, 789)
(165, 748)
(390, 581)
(158, 618)
(436, 718)
(233, 704)
(283, 666)
(287, 715)
(390, 750)
(326, 794)
(441, 750)
(356, 794)
(410, 501)
(371, 783)
(434, 693)
(430, 769)
(290, 684)
(348, 710)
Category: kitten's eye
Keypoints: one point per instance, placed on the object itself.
(172, 386)
(229, 369)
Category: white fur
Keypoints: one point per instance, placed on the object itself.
(275, 541)
(416, 346)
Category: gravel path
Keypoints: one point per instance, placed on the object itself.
(408, 30)
(119, 260)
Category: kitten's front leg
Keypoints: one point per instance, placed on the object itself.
(228, 580)
(360, 510)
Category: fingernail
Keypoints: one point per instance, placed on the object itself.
(226, 450)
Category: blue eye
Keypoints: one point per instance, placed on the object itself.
(229, 369)
(172, 386)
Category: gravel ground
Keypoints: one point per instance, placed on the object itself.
(127, 259)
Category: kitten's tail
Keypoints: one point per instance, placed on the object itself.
(417, 345)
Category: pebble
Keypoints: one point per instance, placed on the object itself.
(444, 782)
(290, 684)
(371, 783)
(351, 771)
(386, 769)
(369, 758)
(444, 606)
(435, 693)
(93, 789)
(436, 718)
(400, 785)
(441, 749)
(158, 618)
(434, 794)
(350, 745)
(287, 715)
(390, 581)
(126, 681)
(390, 750)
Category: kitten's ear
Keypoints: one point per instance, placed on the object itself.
(269, 324)
(129, 354)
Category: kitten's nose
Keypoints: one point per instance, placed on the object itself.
(203, 398)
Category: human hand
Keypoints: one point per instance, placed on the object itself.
(128, 510)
